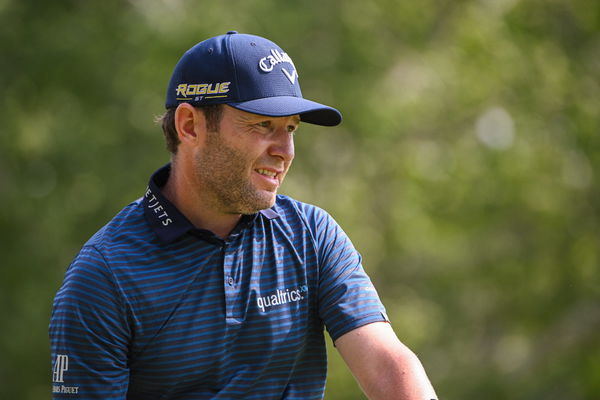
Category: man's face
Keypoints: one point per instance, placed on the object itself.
(244, 163)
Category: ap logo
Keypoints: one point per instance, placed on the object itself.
(60, 366)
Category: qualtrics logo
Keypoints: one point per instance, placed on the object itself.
(281, 297)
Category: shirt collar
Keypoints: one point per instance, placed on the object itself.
(169, 223)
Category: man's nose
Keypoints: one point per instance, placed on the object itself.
(283, 144)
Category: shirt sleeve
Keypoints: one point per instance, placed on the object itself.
(347, 297)
(89, 333)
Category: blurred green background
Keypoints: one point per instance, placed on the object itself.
(466, 170)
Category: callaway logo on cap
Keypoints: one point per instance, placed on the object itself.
(247, 72)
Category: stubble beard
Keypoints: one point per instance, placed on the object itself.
(223, 172)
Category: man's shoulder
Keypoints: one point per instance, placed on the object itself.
(288, 206)
(128, 222)
(290, 210)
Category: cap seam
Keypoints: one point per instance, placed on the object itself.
(232, 60)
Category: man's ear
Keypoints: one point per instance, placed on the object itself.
(190, 124)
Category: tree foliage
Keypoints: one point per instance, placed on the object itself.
(466, 170)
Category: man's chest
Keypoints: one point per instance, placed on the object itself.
(225, 308)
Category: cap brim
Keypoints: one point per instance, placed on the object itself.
(282, 106)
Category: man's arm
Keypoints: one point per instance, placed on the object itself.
(383, 366)
(89, 333)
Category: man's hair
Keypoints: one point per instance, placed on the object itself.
(212, 113)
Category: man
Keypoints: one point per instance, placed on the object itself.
(212, 286)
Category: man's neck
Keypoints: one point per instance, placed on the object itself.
(181, 190)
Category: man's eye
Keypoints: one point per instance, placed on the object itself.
(292, 128)
(264, 124)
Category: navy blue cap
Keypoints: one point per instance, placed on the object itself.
(247, 72)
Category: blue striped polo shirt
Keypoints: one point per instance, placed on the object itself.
(154, 308)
